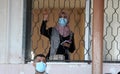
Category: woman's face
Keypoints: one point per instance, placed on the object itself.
(62, 21)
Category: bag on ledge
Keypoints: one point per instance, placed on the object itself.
(57, 57)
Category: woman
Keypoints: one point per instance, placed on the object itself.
(60, 36)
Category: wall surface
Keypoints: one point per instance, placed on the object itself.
(11, 31)
(58, 68)
(3, 30)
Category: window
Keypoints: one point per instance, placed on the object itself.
(37, 43)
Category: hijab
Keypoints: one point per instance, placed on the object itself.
(63, 30)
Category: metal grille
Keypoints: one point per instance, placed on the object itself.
(112, 30)
(79, 13)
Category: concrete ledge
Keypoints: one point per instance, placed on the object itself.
(59, 68)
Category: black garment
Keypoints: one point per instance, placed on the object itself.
(61, 49)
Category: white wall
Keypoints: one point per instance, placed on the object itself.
(4, 19)
(11, 29)
(59, 68)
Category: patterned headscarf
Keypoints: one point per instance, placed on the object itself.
(63, 31)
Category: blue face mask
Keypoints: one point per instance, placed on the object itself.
(40, 66)
(62, 22)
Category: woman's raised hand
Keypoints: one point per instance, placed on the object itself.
(45, 15)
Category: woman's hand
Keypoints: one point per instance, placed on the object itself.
(45, 15)
(66, 44)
